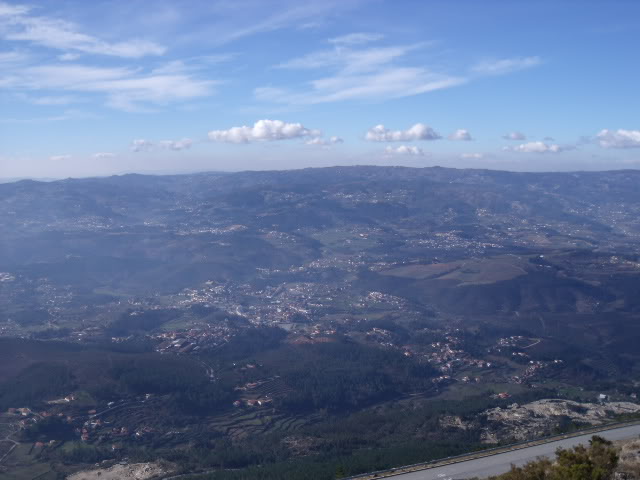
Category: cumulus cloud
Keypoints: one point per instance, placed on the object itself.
(263, 130)
(324, 142)
(358, 38)
(619, 138)
(505, 65)
(177, 145)
(102, 155)
(59, 158)
(473, 156)
(536, 147)
(514, 136)
(404, 150)
(461, 134)
(141, 145)
(419, 131)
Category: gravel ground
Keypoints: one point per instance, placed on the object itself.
(137, 471)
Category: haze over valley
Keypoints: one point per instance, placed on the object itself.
(337, 239)
(223, 311)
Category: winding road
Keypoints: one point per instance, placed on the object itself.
(501, 462)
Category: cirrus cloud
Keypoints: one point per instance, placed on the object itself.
(125, 88)
(7, 10)
(357, 38)
(505, 65)
(19, 26)
(370, 73)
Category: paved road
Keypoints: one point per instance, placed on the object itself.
(497, 464)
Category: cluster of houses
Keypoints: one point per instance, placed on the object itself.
(193, 340)
(253, 402)
(446, 357)
(501, 395)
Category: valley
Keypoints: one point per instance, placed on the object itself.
(318, 322)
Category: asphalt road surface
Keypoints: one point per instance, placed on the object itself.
(501, 463)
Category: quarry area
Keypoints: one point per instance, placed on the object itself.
(137, 471)
(543, 417)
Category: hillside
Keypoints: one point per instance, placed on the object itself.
(307, 320)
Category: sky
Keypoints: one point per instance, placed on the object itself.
(103, 87)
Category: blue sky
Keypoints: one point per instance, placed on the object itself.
(114, 86)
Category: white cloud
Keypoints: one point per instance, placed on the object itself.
(236, 20)
(192, 64)
(474, 156)
(404, 150)
(536, 147)
(51, 100)
(324, 142)
(69, 57)
(351, 61)
(125, 88)
(12, 58)
(619, 138)
(360, 74)
(17, 25)
(141, 145)
(102, 155)
(67, 115)
(514, 136)
(59, 158)
(419, 131)
(263, 130)
(358, 38)
(505, 65)
(7, 10)
(461, 134)
(183, 144)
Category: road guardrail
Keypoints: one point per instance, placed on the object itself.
(416, 467)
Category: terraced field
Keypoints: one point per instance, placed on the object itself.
(260, 421)
(272, 388)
